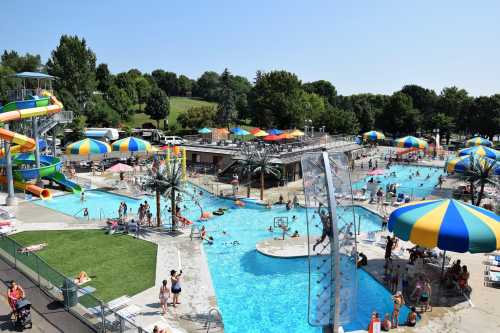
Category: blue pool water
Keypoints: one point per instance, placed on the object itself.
(417, 187)
(255, 293)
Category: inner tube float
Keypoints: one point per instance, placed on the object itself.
(218, 212)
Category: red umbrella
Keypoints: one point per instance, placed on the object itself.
(272, 137)
(255, 130)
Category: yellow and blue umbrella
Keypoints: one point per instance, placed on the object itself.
(448, 224)
(410, 142)
(373, 136)
(481, 151)
(131, 144)
(88, 147)
(478, 141)
(463, 163)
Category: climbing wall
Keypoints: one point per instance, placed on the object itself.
(332, 239)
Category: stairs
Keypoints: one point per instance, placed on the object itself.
(48, 123)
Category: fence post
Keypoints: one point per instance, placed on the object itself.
(14, 252)
(38, 271)
(103, 320)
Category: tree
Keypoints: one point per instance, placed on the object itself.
(184, 85)
(399, 116)
(104, 78)
(143, 87)
(338, 121)
(479, 173)
(484, 116)
(425, 100)
(455, 103)
(197, 117)
(322, 88)
(167, 81)
(126, 82)
(19, 63)
(246, 165)
(76, 127)
(119, 100)
(158, 105)
(261, 161)
(277, 99)
(240, 87)
(165, 180)
(207, 86)
(6, 82)
(100, 114)
(74, 64)
(227, 108)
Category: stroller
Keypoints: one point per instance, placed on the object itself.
(23, 314)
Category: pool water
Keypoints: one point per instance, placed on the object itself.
(255, 293)
(417, 186)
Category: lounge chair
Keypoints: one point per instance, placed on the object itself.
(493, 260)
(492, 279)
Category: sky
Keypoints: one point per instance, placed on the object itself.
(360, 46)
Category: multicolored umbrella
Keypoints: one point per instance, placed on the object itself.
(274, 131)
(204, 130)
(120, 167)
(239, 131)
(373, 136)
(478, 141)
(260, 133)
(131, 144)
(410, 142)
(481, 151)
(448, 224)
(88, 147)
(463, 163)
(297, 133)
(272, 137)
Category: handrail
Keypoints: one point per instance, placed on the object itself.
(209, 318)
(101, 214)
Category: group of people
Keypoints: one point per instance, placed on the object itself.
(144, 213)
(173, 291)
(389, 322)
(457, 276)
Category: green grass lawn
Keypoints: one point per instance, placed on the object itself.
(178, 105)
(118, 264)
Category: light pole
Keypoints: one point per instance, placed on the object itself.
(436, 140)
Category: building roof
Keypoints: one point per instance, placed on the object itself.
(34, 75)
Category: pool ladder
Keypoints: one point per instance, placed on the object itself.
(102, 215)
(213, 315)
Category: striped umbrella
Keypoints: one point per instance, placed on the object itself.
(478, 141)
(88, 147)
(463, 163)
(260, 133)
(448, 224)
(410, 142)
(481, 151)
(131, 144)
(373, 136)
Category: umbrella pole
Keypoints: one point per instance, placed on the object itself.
(442, 266)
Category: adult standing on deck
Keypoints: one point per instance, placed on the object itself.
(175, 279)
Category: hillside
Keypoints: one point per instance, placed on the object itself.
(177, 106)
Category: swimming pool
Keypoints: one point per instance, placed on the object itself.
(417, 186)
(255, 293)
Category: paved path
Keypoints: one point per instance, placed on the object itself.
(48, 316)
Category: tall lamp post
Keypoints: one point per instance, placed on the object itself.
(436, 140)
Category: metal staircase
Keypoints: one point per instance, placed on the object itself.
(47, 123)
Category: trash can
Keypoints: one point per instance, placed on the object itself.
(69, 291)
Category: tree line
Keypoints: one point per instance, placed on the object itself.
(274, 99)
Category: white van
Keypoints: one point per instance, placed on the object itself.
(173, 140)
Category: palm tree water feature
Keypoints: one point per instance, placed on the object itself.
(166, 178)
(332, 278)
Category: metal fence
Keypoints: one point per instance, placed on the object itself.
(101, 317)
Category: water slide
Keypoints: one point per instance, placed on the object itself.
(19, 110)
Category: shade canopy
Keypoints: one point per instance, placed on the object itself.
(272, 137)
(204, 130)
(481, 151)
(448, 224)
(88, 147)
(275, 131)
(478, 141)
(239, 131)
(297, 133)
(463, 163)
(131, 144)
(410, 142)
(373, 136)
(255, 130)
(120, 167)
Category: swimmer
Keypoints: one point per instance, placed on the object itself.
(235, 243)
(296, 234)
(294, 218)
(85, 212)
(210, 240)
(270, 229)
(82, 196)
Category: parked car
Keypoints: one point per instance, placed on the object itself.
(173, 140)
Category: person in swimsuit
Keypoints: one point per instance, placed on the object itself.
(386, 323)
(175, 279)
(14, 294)
(327, 226)
(412, 317)
(425, 296)
(398, 303)
(164, 296)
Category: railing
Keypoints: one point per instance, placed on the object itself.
(78, 301)
(210, 318)
(21, 94)
(63, 117)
